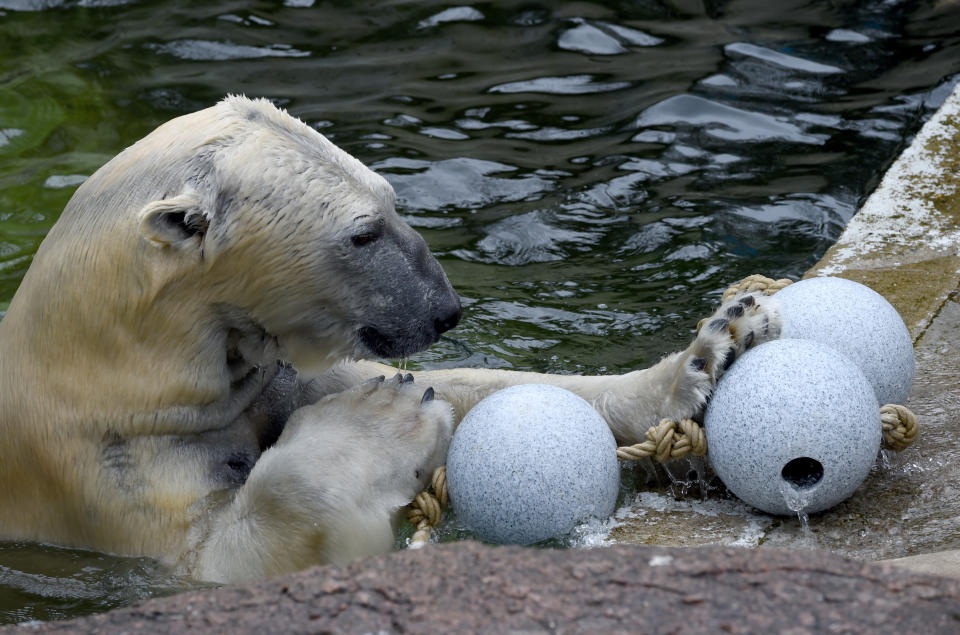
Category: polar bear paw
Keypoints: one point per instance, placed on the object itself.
(408, 428)
(679, 386)
(331, 488)
(740, 323)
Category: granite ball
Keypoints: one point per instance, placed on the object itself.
(529, 462)
(858, 322)
(793, 426)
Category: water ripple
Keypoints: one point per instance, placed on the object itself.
(780, 59)
(526, 238)
(42, 5)
(824, 213)
(460, 182)
(649, 238)
(592, 322)
(725, 122)
(552, 133)
(453, 14)
(846, 35)
(8, 134)
(601, 38)
(207, 50)
(568, 85)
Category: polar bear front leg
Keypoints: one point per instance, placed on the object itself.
(677, 387)
(329, 490)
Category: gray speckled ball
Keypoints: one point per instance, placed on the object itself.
(793, 417)
(529, 462)
(857, 321)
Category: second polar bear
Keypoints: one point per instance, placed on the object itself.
(177, 369)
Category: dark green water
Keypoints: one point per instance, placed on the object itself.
(590, 174)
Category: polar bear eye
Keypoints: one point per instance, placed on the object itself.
(363, 239)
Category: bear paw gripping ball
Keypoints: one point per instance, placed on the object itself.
(793, 426)
(529, 462)
(858, 322)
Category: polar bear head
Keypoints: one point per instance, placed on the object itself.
(260, 219)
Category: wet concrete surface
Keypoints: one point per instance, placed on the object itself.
(904, 242)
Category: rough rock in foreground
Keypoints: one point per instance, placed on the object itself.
(467, 587)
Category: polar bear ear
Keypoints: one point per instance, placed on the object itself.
(173, 221)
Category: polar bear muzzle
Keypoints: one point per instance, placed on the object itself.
(415, 301)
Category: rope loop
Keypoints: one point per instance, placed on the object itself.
(666, 441)
(438, 483)
(426, 510)
(900, 426)
(756, 282)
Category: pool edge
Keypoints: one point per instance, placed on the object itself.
(904, 242)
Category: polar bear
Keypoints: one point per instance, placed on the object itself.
(181, 371)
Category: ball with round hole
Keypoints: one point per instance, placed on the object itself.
(857, 321)
(528, 463)
(793, 426)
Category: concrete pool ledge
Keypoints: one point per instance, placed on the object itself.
(905, 240)
(905, 244)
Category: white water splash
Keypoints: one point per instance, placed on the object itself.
(797, 500)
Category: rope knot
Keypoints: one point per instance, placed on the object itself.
(666, 441)
(426, 510)
(899, 426)
(756, 282)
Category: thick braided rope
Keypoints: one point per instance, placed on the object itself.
(669, 440)
(427, 508)
(756, 282)
(899, 426)
(666, 441)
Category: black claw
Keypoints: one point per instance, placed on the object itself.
(718, 325)
(408, 378)
(398, 378)
(748, 340)
(729, 359)
(698, 364)
(379, 379)
(735, 311)
(427, 396)
(747, 300)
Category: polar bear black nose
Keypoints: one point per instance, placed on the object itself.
(441, 325)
